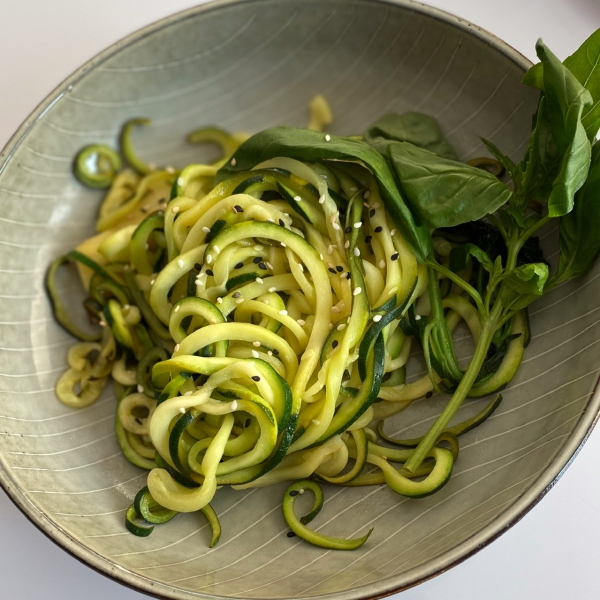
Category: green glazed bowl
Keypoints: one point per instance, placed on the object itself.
(247, 65)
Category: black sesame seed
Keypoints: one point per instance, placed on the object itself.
(236, 294)
(348, 230)
(334, 344)
(332, 270)
(372, 212)
(255, 378)
(198, 266)
(247, 423)
(294, 493)
(348, 275)
(239, 208)
(256, 260)
(368, 239)
(209, 273)
(282, 222)
(339, 269)
(378, 229)
(239, 265)
(138, 421)
(395, 256)
(291, 534)
(275, 352)
(262, 266)
(428, 395)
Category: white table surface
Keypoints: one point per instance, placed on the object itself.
(550, 554)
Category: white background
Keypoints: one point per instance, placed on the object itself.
(551, 554)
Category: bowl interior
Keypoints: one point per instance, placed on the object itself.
(246, 66)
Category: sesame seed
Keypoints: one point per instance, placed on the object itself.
(176, 349)
(210, 273)
(255, 378)
(281, 222)
(208, 259)
(356, 291)
(348, 230)
(395, 256)
(330, 249)
(378, 229)
(239, 300)
(283, 245)
(417, 317)
(152, 281)
(321, 256)
(335, 226)
(348, 275)
(180, 262)
(272, 289)
(259, 280)
(347, 244)
(234, 210)
(182, 410)
(301, 491)
(297, 199)
(368, 239)
(200, 282)
(335, 309)
(236, 294)
(366, 195)
(270, 221)
(219, 300)
(335, 344)
(358, 225)
(197, 266)
(322, 199)
(175, 209)
(177, 309)
(262, 266)
(258, 247)
(188, 394)
(217, 249)
(393, 290)
(238, 208)
(332, 270)
(393, 232)
(233, 162)
(206, 229)
(354, 189)
(339, 269)
(257, 344)
(356, 252)
(341, 326)
(301, 267)
(140, 388)
(269, 265)
(234, 405)
(255, 354)
(372, 212)
(180, 182)
(327, 138)
(382, 264)
(377, 318)
(283, 312)
(213, 320)
(301, 322)
(239, 265)
(316, 421)
(269, 353)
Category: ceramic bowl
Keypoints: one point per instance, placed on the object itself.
(247, 65)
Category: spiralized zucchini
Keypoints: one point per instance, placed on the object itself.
(254, 329)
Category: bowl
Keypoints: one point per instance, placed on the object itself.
(249, 65)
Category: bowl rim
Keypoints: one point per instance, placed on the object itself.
(545, 481)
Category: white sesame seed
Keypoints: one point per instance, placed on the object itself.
(257, 344)
(301, 322)
(327, 138)
(356, 291)
(272, 289)
(176, 349)
(283, 312)
(341, 326)
(347, 244)
(102, 324)
(270, 221)
(297, 199)
(330, 249)
(233, 162)
(366, 195)
(358, 225)
(175, 209)
(377, 318)
(239, 300)
(255, 354)
(180, 182)
(283, 245)
(177, 309)
(393, 290)
(217, 249)
(152, 281)
(417, 317)
(301, 491)
(316, 421)
(393, 232)
(258, 247)
(206, 229)
(322, 199)
(321, 256)
(234, 405)
(354, 189)
(301, 267)
(259, 280)
(269, 353)
(382, 264)
(335, 309)
(188, 394)
(180, 263)
(269, 265)
(182, 410)
(209, 259)
(140, 388)
(356, 252)
(335, 226)
(219, 300)
(213, 320)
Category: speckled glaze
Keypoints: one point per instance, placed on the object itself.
(249, 65)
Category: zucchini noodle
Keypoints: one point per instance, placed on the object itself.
(253, 328)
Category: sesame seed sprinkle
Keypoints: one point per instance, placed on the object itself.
(175, 209)
(347, 244)
(233, 162)
(341, 326)
(316, 422)
(272, 289)
(257, 344)
(206, 229)
(217, 249)
(236, 294)
(335, 309)
(177, 309)
(417, 317)
(283, 312)
(354, 189)
(358, 225)
(239, 300)
(301, 322)
(255, 354)
(356, 252)
(377, 318)
(219, 300)
(176, 349)
(213, 320)
(382, 264)
(234, 405)
(180, 263)
(356, 291)
(182, 410)
(297, 199)
(335, 226)
(322, 199)
(140, 388)
(259, 280)
(283, 245)
(209, 259)
(327, 138)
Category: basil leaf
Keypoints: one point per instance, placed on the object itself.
(413, 127)
(459, 256)
(584, 64)
(528, 279)
(311, 146)
(510, 167)
(566, 99)
(579, 231)
(443, 191)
